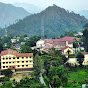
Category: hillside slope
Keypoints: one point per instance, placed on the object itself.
(56, 21)
(10, 14)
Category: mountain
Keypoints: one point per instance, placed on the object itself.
(10, 14)
(56, 22)
(29, 7)
(83, 13)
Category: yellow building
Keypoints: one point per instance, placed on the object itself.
(11, 59)
(85, 62)
(67, 49)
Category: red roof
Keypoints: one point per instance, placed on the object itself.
(67, 38)
(59, 41)
(47, 47)
(66, 48)
(24, 54)
(14, 52)
(84, 53)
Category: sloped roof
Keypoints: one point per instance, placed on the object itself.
(66, 48)
(47, 47)
(67, 38)
(14, 52)
(61, 40)
(84, 53)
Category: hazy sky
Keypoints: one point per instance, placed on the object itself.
(67, 4)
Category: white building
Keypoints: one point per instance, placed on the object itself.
(40, 44)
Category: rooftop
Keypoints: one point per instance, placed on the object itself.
(14, 52)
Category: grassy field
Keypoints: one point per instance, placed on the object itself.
(77, 77)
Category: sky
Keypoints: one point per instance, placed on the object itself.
(67, 4)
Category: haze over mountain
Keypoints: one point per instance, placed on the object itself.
(56, 22)
(29, 7)
(10, 14)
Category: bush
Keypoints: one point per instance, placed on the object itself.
(3, 79)
(72, 56)
(7, 72)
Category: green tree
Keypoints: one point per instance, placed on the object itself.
(7, 72)
(38, 65)
(25, 49)
(80, 58)
(85, 39)
(56, 81)
(1, 47)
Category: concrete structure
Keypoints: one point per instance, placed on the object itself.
(85, 62)
(66, 49)
(73, 61)
(40, 44)
(13, 40)
(60, 43)
(11, 59)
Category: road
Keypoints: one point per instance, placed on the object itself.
(41, 79)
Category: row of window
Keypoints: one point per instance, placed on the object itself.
(17, 62)
(14, 58)
(13, 67)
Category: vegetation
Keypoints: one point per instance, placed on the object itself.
(14, 13)
(56, 22)
(80, 58)
(85, 39)
(7, 72)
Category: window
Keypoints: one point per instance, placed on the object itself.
(9, 58)
(3, 58)
(30, 57)
(18, 66)
(22, 57)
(17, 61)
(6, 58)
(6, 66)
(30, 61)
(26, 65)
(26, 61)
(6, 62)
(17, 57)
(13, 57)
(22, 65)
(3, 66)
(26, 57)
(13, 62)
(10, 62)
(3, 62)
(22, 61)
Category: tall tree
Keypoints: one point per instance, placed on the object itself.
(80, 58)
(85, 39)
(1, 47)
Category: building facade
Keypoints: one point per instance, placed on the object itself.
(11, 59)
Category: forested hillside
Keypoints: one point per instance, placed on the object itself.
(56, 22)
(10, 14)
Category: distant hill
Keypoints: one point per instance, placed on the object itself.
(10, 14)
(29, 7)
(56, 22)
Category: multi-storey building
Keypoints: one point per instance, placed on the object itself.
(11, 59)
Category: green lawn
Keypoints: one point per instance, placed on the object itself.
(76, 77)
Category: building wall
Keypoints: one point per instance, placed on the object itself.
(85, 62)
(11, 61)
(58, 47)
(73, 61)
(40, 44)
(65, 51)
